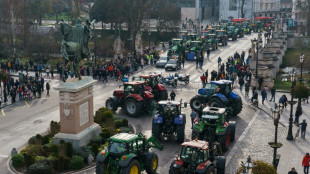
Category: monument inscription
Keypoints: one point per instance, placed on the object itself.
(84, 113)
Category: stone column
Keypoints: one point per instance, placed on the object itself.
(76, 112)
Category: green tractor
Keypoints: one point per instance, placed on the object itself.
(214, 127)
(239, 30)
(231, 33)
(222, 37)
(198, 157)
(211, 42)
(128, 154)
(247, 28)
(177, 45)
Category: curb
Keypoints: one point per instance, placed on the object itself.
(242, 136)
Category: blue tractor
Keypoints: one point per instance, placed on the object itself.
(169, 120)
(217, 94)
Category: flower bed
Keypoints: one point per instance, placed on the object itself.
(42, 156)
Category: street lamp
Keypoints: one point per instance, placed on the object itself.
(256, 43)
(275, 145)
(247, 167)
(290, 131)
(299, 108)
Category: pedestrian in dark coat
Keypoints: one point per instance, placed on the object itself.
(247, 89)
(13, 94)
(5, 95)
(303, 130)
(172, 95)
(42, 83)
(241, 83)
(48, 87)
(193, 116)
(273, 93)
(260, 82)
(264, 95)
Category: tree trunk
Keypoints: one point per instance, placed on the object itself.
(242, 9)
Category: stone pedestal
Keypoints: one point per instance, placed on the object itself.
(76, 112)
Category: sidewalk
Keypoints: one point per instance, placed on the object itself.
(261, 131)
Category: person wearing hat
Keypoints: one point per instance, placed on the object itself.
(303, 128)
(305, 163)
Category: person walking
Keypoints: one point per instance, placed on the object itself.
(293, 171)
(219, 62)
(42, 83)
(172, 95)
(208, 54)
(241, 83)
(260, 82)
(5, 95)
(193, 116)
(254, 95)
(305, 163)
(207, 74)
(273, 93)
(303, 129)
(264, 95)
(247, 89)
(203, 79)
(13, 94)
(48, 87)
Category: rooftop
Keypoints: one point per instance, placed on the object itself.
(197, 144)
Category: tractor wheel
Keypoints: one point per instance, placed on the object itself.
(232, 125)
(180, 133)
(174, 170)
(132, 168)
(216, 102)
(225, 140)
(211, 170)
(111, 104)
(156, 130)
(237, 107)
(162, 95)
(100, 167)
(132, 107)
(151, 163)
(220, 165)
(196, 103)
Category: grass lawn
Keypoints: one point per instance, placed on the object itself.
(64, 16)
(279, 85)
(291, 58)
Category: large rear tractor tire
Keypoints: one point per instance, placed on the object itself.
(180, 133)
(216, 102)
(156, 130)
(132, 168)
(225, 140)
(162, 95)
(151, 163)
(111, 104)
(237, 107)
(232, 125)
(100, 167)
(132, 107)
(196, 103)
(220, 165)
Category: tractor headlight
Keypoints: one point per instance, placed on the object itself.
(181, 117)
(156, 117)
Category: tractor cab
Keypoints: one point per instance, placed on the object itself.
(221, 33)
(222, 86)
(213, 115)
(230, 28)
(136, 87)
(195, 152)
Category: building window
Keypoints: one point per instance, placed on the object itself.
(233, 5)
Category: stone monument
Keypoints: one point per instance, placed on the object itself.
(76, 111)
(118, 48)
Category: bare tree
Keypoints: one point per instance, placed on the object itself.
(304, 10)
(242, 6)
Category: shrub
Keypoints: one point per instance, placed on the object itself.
(301, 91)
(54, 128)
(263, 167)
(77, 162)
(17, 160)
(125, 122)
(28, 159)
(69, 149)
(46, 139)
(105, 135)
(38, 139)
(97, 118)
(39, 168)
(103, 109)
(38, 158)
(83, 151)
(32, 140)
(61, 163)
(106, 115)
(67, 163)
(54, 149)
(94, 148)
(97, 140)
(118, 123)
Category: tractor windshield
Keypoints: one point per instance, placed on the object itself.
(230, 28)
(190, 154)
(169, 109)
(116, 147)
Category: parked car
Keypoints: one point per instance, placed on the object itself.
(162, 61)
(172, 65)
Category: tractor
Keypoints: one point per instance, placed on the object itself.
(198, 157)
(152, 84)
(211, 42)
(128, 154)
(133, 99)
(169, 120)
(214, 127)
(239, 30)
(231, 33)
(222, 37)
(218, 94)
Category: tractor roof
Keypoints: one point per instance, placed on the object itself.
(196, 42)
(165, 102)
(149, 75)
(211, 35)
(204, 31)
(177, 39)
(214, 110)
(221, 30)
(124, 137)
(197, 144)
(134, 83)
(221, 82)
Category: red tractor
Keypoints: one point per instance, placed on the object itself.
(152, 85)
(198, 157)
(133, 99)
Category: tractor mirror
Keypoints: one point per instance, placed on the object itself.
(185, 104)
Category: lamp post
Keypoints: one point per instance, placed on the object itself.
(290, 131)
(275, 145)
(247, 167)
(299, 108)
(256, 44)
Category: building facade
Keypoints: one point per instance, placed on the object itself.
(207, 8)
(266, 8)
(233, 8)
